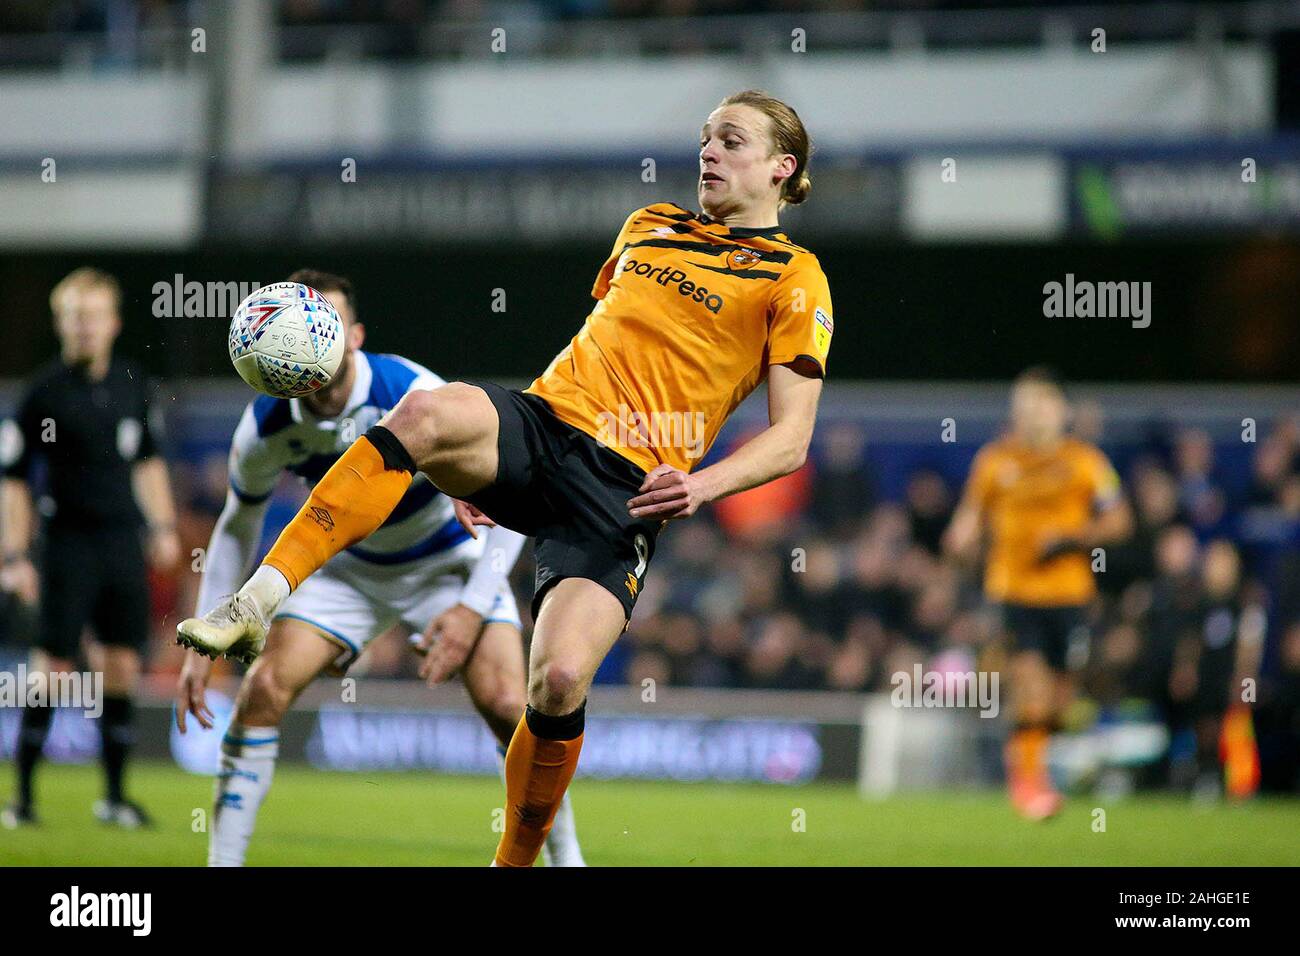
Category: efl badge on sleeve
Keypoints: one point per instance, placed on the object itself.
(823, 329)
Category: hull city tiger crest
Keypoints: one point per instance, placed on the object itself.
(742, 258)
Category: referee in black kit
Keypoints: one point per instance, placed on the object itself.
(86, 417)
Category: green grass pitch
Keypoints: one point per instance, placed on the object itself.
(373, 819)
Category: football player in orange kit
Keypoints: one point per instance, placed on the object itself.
(693, 311)
(1046, 500)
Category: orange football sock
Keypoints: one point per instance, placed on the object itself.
(1239, 753)
(347, 504)
(1026, 753)
(538, 771)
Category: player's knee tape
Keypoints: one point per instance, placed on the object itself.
(392, 451)
(563, 727)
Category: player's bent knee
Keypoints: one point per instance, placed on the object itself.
(415, 423)
(556, 688)
(499, 696)
(266, 696)
(507, 704)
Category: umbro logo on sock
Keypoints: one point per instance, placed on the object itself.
(322, 518)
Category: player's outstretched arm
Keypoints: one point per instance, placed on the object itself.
(19, 441)
(1112, 525)
(451, 636)
(471, 518)
(500, 552)
(17, 573)
(778, 450)
(153, 492)
(961, 539)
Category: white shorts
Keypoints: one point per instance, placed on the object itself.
(353, 601)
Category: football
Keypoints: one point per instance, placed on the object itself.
(286, 340)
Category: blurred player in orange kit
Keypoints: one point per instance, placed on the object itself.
(1045, 501)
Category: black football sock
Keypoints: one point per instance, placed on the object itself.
(116, 734)
(33, 728)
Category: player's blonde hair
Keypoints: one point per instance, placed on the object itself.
(87, 277)
(788, 136)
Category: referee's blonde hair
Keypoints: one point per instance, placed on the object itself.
(87, 277)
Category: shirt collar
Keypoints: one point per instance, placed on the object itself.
(743, 232)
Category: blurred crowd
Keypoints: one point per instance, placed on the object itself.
(820, 581)
(825, 580)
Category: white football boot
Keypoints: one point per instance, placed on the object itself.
(235, 628)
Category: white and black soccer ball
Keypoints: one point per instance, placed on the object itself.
(286, 340)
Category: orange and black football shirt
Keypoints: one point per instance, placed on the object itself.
(1028, 497)
(690, 316)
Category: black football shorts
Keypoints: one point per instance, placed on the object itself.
(562, 488)
(1060, 634)
(97, 578)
